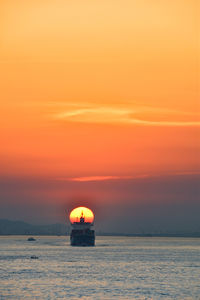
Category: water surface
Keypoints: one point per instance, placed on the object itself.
(117, 268)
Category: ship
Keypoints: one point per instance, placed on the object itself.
(82, 234)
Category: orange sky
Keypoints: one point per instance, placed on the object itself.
(99, 89)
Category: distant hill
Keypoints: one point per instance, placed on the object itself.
(8, 227)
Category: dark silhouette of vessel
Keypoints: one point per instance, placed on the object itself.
(31, 239)
(34, 257)
(82, 234)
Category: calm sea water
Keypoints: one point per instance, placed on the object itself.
(117, 268)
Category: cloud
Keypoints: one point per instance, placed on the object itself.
(95, 115)
(121, 115)
(128, 113)
(126, 177)
(166, 123)
(100, 178)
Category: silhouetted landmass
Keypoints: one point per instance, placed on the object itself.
(8, 227)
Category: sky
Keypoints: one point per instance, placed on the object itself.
(99, 106)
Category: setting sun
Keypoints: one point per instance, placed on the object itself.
(79, 212)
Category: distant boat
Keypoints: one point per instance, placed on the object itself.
(34, 257)
(31, 239)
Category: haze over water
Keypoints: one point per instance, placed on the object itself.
(117, 268)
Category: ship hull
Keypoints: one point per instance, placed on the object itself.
(82, 238)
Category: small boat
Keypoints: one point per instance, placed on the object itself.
(31, 239)
(34, 257)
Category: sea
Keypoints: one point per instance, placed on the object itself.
(116, 268)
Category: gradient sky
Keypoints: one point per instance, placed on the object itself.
(99, 106)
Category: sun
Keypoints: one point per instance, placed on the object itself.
(79, 212)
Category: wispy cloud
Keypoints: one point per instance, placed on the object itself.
(166, 123)
(100, 178)
(117, 115)
(125, 177)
